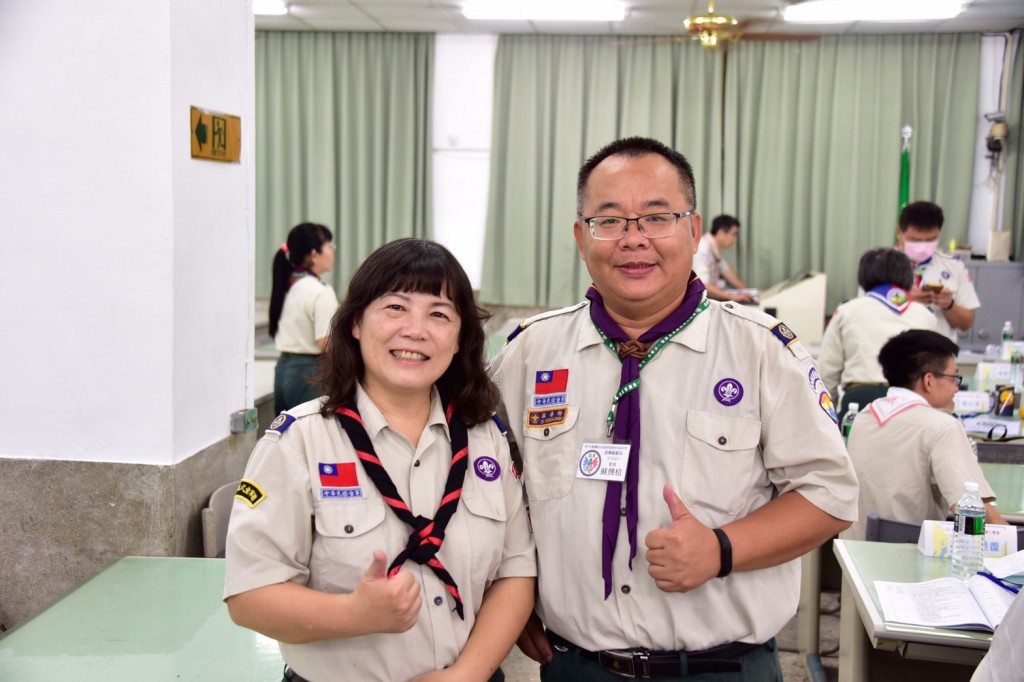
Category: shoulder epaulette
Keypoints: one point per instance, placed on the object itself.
(543, 316)
(281, 423)
(778, 329)
(499, 423)
(286, 419)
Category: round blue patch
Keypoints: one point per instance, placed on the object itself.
(945, 274)
(487, 468)
(728, 391)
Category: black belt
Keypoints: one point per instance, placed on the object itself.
(293, 676)
(643, 663)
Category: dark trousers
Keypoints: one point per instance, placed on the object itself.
(291, 381)
(759, 665)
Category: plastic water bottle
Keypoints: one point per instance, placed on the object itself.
(1008, 331)
(968, 533)
(847, 425)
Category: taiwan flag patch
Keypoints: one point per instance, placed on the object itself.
(341, 475)
(551, 381)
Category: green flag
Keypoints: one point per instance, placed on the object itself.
(906, 132)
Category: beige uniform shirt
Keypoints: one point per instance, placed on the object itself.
(725, 459)
(306, 316)
(708, 262)
(324, 537)
(856, 332)
(912, 467)
(1004, 661)
(953, 275)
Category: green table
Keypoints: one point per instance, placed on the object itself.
(152, 619)
(871, 648)
(1007, 480)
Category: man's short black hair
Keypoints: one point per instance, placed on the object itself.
(921, 214)
(635, 147)
(884, 266)
(723, 222)
(909, 355)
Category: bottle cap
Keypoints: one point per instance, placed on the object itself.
(853, 407)
(971, 487)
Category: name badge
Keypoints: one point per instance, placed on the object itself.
(603, 461)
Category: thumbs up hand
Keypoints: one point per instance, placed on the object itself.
(391, 604)
(685, 555)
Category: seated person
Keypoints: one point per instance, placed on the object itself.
(858, 328)
(910, 453)
(712, 268)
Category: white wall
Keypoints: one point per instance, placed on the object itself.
(127, 281)
(463, 82)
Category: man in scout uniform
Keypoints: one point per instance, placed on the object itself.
(679, 454)
(940, 281)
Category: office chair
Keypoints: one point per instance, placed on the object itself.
(888, 530)
(215, 520)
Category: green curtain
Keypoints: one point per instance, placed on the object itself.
(1013, 159)
(558, 99)
(343, 138)
(812, 146)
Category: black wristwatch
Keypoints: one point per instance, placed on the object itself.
(726, 552)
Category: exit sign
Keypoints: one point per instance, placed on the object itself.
(215, 136)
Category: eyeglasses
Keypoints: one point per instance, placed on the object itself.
(956, 377)
(653, 226)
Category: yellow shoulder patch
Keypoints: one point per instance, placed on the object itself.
(250, 493)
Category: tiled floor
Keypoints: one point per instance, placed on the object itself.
(518, 668)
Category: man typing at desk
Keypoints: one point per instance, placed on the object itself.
(712, 269)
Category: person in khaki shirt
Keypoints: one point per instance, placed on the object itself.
(379, 533)
(940, 281)
(849, 349)
(911, 454)
(676, 552)
(301, 307)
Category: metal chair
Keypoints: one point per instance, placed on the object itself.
(888, 530)
(215, 520)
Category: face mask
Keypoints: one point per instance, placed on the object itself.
(919, 252)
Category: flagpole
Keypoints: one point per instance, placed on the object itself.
(907, 132)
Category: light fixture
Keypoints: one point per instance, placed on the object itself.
(269, 7)
(545, 10)
(830, 11)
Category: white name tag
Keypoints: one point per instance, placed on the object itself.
(603, 461)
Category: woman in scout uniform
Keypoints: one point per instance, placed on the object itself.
(301, 306)
(380, 533)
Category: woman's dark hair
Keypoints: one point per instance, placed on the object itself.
(411, 266)
(909, 355)
(302, 241)
(885, 266)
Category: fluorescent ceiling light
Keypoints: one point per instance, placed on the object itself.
(271, 7)
(829, 11)
(545, 10)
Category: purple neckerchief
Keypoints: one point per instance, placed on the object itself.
(627, 420)
(892, 297)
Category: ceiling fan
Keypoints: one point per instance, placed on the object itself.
(711, 28)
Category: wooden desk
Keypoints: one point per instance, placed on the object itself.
(872, 649)
(153, 619)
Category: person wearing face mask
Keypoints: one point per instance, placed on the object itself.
(910, 453)
(940, 281)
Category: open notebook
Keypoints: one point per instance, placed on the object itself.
(978, 604)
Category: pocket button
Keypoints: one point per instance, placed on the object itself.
(349, 528)
(722, 440)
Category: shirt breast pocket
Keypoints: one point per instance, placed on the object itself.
(549, 457)
(486, 516)
(347, 533)
(719, 460)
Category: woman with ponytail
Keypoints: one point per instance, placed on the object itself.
(301, 307)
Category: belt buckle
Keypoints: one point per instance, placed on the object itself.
(633, 664)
